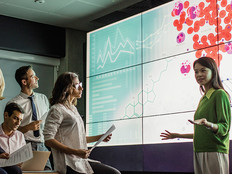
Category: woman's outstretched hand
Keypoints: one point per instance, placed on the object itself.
(168, 135)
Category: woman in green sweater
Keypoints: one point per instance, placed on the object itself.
(211, 121)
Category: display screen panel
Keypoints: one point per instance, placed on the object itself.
(114, 47)
(161, 93)
(154, 126)
(114, 95)
(178, 27)
(155, 82)
(224, 21)
(169, 85)
(127, 132)
(225, 66)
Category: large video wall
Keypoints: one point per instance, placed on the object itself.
(139, 71)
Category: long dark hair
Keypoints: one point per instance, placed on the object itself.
(216, 82)
(62, 88)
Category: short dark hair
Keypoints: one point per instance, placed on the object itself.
(11, 107)
(21, 73)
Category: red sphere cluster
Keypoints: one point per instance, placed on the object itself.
(217, 16)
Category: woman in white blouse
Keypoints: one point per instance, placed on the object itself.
(64, 130)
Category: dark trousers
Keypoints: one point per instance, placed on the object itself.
(2, 171)
(12, 170)
(98, 168)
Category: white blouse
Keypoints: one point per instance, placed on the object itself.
(66, 126)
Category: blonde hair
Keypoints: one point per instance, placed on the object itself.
(2, 85)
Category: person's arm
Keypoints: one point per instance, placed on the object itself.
(223, 114)
(207, 124)
(19, 165)
(4, 155)
(169, 135)
(53, 143)
(223, 111)
(35, 125)
(91, 139)
(97, 137)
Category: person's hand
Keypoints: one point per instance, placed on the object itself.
(205, 123)
(83, 153)
(35, 125)
(107, 138)
(168, 135)
(20, 165)
(4, 156)
(201, 121)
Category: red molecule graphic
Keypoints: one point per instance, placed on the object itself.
(193, 12)
(185, 68)
(177, 8)
(216, 14)
(180, 38)
(228, 48)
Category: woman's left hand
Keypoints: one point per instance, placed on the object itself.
(107, 138)
(201, 121)
(207, 124)
(20, 165)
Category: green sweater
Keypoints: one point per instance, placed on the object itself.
(215, 107)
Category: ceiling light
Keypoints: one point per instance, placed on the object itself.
(39, 1)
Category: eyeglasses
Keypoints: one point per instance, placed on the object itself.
(78, 86)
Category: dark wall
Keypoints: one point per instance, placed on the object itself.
(31, 37)
(75, 61)
(124, 158)
(149, 158)
(174, 157)
(161, 158)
